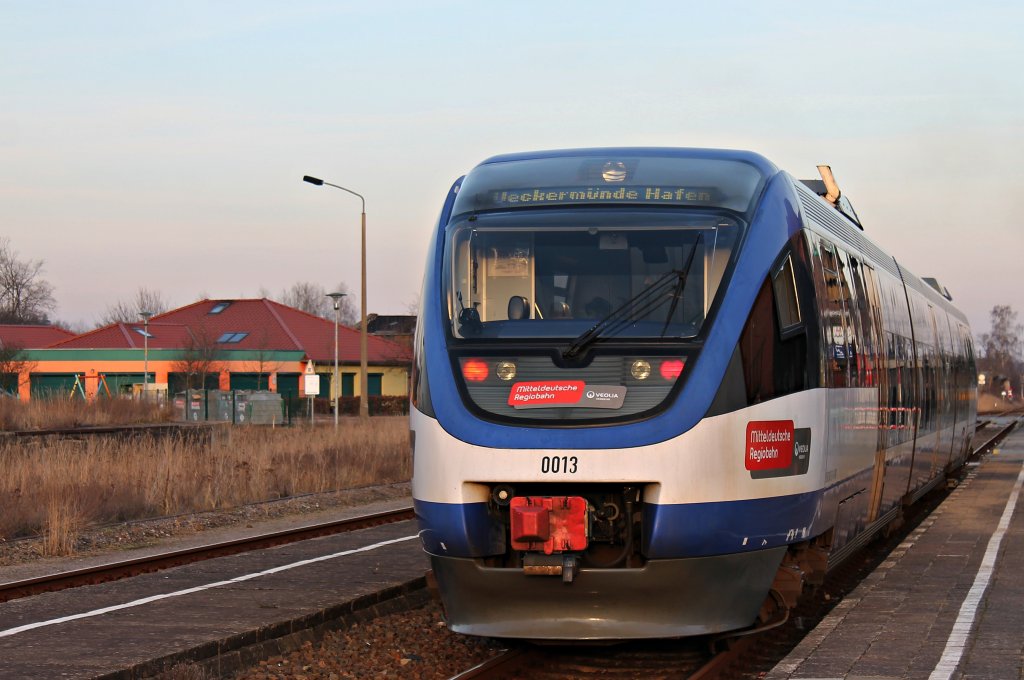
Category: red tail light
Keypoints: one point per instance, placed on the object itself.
(475, 370)
(672, 368)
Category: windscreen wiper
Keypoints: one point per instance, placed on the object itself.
(638, 306)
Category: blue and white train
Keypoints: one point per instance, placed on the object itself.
(657, 390)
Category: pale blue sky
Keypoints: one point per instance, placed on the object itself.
(163, 144)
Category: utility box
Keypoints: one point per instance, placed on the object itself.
(238, 406)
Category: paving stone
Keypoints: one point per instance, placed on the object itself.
(900, 629)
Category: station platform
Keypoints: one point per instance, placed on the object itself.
(948, 602)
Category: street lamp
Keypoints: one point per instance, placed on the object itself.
(145, 344)
(335, 386)
(364, 408)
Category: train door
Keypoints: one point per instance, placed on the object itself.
(946, 343)
(851, 447)
(878, 379)
(934, 384)
(964, 380)
(896, 433)
(924, 441)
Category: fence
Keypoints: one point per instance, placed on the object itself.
(267, 408)
(247, 407)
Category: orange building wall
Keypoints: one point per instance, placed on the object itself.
(158, 371)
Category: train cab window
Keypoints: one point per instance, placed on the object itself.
(786, 303)
(774, 342)
(556, 276)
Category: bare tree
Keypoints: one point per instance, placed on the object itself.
(348, 308)
(412, 307)
(309, 297)
(200, 357)
(312, 298)
(14, 367)
(262, 363)
(25, 297)
(129, 311)
(1002, 345)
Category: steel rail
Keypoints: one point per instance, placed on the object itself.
(153, 428)
(996, 438)
(501, 665)
(113, 571)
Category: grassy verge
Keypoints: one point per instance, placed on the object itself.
(59, 487)
(48, 414)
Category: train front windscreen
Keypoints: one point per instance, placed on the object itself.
(572, 277)
(638, 244)
(546, 275)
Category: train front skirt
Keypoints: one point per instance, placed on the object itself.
(663, 598)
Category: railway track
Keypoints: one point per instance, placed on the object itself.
(154, 430)
(693, 659)
(666, 660)
(165, 560)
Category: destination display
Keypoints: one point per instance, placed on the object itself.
(669, 195)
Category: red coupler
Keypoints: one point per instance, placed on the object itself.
(549, 524)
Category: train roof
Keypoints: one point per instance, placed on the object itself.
(821, 214)
(760, 162)
(838, 219)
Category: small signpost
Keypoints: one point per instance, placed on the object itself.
(310, 386)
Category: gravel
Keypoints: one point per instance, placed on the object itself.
(413, 644)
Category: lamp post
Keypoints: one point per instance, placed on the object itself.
(145, 344)
(364, 407)
(335, 386)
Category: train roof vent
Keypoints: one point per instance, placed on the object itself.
(939, 288)
(827, 188)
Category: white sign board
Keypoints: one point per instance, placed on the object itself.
(311, 385)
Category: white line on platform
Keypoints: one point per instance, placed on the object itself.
(965, 620)
(197, 589)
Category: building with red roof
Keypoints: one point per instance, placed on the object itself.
(14, 341)
(31, 337)
(219, 344)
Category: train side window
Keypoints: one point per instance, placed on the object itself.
(852, 333)
(774, 343)
(787, 305)
(833, 317)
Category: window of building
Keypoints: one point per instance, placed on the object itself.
(231, 337)
(219, 307)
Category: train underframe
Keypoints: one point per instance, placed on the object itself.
(574, 569)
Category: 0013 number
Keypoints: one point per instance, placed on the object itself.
(553, 465)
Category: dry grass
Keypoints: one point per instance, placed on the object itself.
(46, 414)
(58, 487)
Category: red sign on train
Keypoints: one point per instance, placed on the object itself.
(769, 444)
(545, 393)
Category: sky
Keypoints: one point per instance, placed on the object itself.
(163, 144)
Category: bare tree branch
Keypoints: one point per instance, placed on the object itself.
(1002, 346)
(200, 357)
(123, 311)
(14, 367)
(312, 299)
(25, 297)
